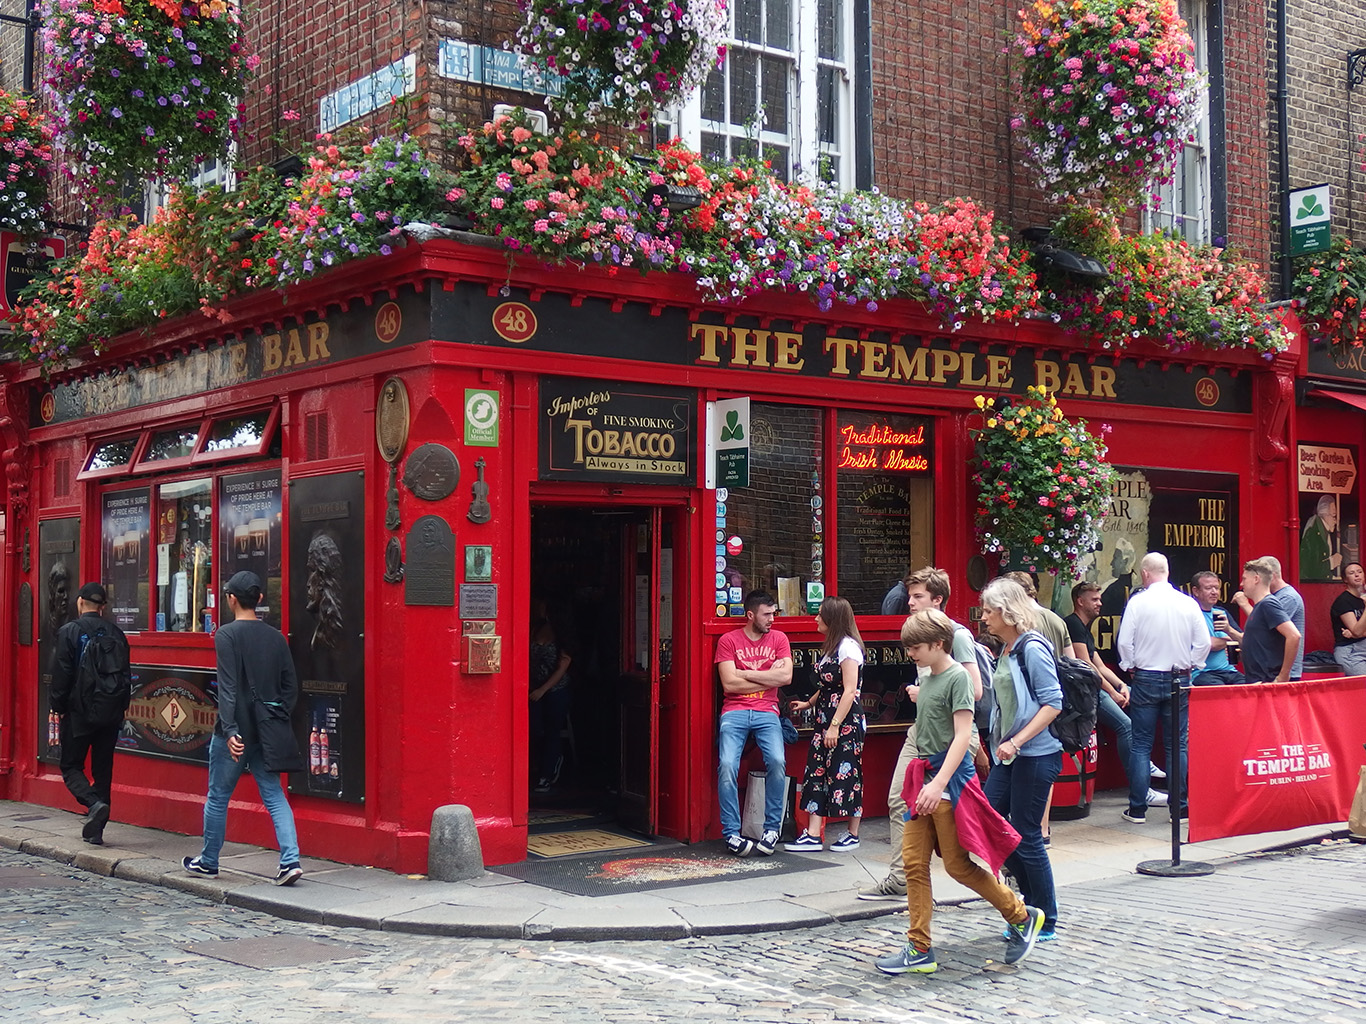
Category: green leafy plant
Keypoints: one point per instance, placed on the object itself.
(1043, 485)
(1328, 291)
(25, 156)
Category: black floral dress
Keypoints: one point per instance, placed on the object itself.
(833, 784)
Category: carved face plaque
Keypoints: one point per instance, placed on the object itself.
(431, 472)
(391, 419)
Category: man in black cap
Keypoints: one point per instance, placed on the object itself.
(257, 690)
(90, 690)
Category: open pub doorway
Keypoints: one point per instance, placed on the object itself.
(601, 632)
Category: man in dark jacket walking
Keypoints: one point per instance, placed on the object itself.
(88, 728)
(255, 678)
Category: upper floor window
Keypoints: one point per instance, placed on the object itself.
(783, 95)
(1184, 208)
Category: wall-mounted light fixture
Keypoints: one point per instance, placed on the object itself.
(1067, 261)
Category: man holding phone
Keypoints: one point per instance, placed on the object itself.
(1218, 670)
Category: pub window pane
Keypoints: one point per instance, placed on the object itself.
(748, 20)
(779, 517)
(776, 72)
(829, 38)
(779, 24)
(744, 86)
(714, 97)
(885, 490)
(112, 454)
(237, 432)
(827, 104)
(713, 146)
(173, 443)
(184, 555)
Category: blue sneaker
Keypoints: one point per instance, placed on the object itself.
(908, 960)
(1021, 938)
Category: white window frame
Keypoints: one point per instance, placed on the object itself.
(1184, 210)
(803, 142)
(221, 171)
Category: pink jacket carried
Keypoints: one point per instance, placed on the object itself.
(981, 830)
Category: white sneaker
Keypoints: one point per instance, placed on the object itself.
(1154, 772)
(1157, 798)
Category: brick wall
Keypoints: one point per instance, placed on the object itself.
(1325, 117)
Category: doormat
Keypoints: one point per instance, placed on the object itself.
(578, 841)
(567, 821)
(610, 874)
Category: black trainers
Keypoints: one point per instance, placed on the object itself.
(1020, 938)
(288, 876)
(768, 842)
(194, 867)
(95, 820)
(739, 845)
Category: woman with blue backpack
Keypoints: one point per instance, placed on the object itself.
(1025, 755)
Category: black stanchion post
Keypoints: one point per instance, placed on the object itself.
(1176, 797)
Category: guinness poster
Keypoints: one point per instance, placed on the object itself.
(625, 433)
(249, 516)
(327, 619)
(59, 565)
(125, 530)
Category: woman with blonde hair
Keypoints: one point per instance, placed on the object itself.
(832, 786)
(1025, 755)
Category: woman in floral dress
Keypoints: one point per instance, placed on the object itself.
(833, 784)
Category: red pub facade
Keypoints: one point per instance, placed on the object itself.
(411, 449)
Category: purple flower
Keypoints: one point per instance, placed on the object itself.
(137, 94)
(385, 250)
(116, 112)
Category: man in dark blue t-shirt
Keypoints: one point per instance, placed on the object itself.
(1270, 639)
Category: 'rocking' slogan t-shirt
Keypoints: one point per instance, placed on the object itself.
(757, 656)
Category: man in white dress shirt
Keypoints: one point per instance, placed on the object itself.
(1162, 639)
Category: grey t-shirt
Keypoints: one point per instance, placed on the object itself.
(252, 655)
(1293, 604)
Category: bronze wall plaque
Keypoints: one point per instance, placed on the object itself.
(391, 419)
(25, 614)
(431, 472)
(429, 572)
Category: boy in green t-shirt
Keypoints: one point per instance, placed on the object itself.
(944, 711)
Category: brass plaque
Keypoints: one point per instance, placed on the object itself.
(478, 628)
(431, 472)
(483, 655)
(429, 572)
(391, 419)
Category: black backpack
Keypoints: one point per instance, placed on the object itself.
(986, 668)
(104, 685)
(1080, 699)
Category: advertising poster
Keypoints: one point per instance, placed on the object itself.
(172, 714)
(249, 525)
(59, 544)
(125, 531)
(326, 618)
(1330, 518)
(604, 430)
(1192, 518)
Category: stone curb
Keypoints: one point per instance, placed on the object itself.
(318, 902)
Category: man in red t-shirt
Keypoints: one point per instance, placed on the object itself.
(753, 661)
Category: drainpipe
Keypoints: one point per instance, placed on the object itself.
(863, 94)
(1283, 144)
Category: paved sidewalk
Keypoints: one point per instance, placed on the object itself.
(496, 906)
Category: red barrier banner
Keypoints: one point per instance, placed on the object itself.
(1274, 756)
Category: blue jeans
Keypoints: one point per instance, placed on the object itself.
(224, 773)
(767, 730)
(1019, 792)
(549, 715)
(1110, 713)
(1150, 701)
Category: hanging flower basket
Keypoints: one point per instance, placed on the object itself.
(142, 88)
(1109, 94)
(25, 156)
(621, 60)
(1043, 485)
(1328, 292)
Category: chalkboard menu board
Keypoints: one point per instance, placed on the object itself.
(886, 673)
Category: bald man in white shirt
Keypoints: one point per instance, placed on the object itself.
(1162, 639)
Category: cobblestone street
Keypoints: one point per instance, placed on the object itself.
(1274, 938)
